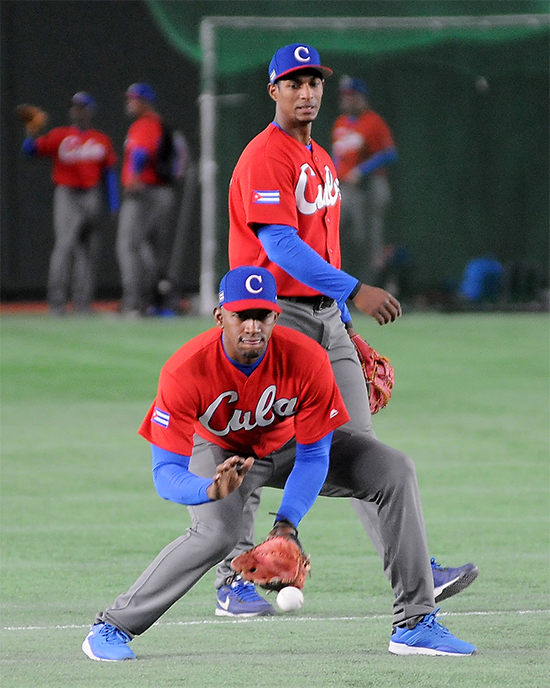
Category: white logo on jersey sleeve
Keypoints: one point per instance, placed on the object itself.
(160, 417)
(327, 194)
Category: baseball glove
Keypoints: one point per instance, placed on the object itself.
(276, 563)
(33, 117)
(378, 372)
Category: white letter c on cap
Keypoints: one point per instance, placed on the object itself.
(298, 54)
(248, 284)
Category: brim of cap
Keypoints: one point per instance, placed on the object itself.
(325, 71)
(251, 304)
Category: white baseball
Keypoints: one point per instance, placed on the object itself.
(290, 599)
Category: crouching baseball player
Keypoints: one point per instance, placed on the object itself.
(248, 404)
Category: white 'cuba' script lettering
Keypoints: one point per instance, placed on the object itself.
(327, 195)
(347, 141)
(72, 150)
(267, 408)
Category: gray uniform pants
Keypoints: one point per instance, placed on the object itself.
(360, 466)
(363, 210)
(144, 243)
(77, 215)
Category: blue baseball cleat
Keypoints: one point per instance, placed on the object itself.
(449, 581)
(239, 598)
(105, 643)
(428, 637)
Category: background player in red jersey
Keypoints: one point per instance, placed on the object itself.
(284, 208)
(144, 229)
(249, 404)
(362, 149)
(83, 163)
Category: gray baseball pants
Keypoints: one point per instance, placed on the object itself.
(361, 467)
(144, 242)
(77, 215)
(363, 210)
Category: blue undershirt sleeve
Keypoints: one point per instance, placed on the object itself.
(174, 481)
(138, 158)
(29, 146)
(111, 186)
(305, 480)
(383, 157)
(284, 247)
(345, 315)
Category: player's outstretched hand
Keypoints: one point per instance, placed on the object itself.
(229, 476)
(377, 303)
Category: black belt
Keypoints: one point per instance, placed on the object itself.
(318, 302)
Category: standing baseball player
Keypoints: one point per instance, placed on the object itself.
(284, 207)
(270, 415)
(83, 166)
(144, 230)
(362, 149)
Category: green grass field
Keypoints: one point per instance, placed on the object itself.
(80, 518)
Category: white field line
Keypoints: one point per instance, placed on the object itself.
(263, 619)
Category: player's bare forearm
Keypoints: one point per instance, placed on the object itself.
(353, 176)
(229, 476)
(282, 528)
(350, 329)
(377, 303)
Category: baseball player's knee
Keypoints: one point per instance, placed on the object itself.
(404, 469)
(223, 539)
(398, 480)
(127, 243)
(394, 473)
(397, 467)
(64, 245)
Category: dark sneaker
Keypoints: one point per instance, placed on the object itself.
(239, 598)
(105, 643)
(449, 581)
(428, 637)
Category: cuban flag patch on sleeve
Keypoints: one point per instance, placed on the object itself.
(160, 417)
(266, 197)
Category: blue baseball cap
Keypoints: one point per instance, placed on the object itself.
(83, 98)
(293, 57)
(350, 84)
(248, 287)
(141, 91)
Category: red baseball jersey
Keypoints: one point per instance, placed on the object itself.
(144, 133)
(291, 393)
(278, 180)
(354, 139)
(79, 157)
